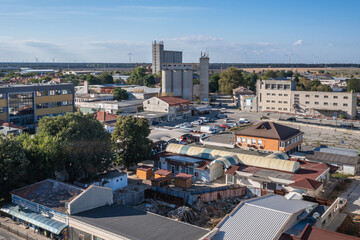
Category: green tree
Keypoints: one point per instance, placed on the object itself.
(353, 84)
(106, 78)
(314, 84)
(137, 76)
(323, 88)
(251, 81)
(120, 94)
(130, 140)
(214, 83)
(86, 146)
(231, 78)
(13, 164)
(149, 80)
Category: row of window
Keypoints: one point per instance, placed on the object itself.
(2, 109)
(53, 92)
(326, 103)
(325, 96)
(273, 108)
(291, 141)
(277, 86)
(273, 101)
(53, 104)
(280, 94)
(249, 141)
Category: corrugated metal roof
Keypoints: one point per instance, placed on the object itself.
(260, 218)
(332, 158)
(234, 158)
(340, 151)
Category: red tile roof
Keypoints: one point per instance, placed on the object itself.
(307, 184)
(104, 116)
(172, 101)
(310, 170)
(162, 172)
(183, 176)
(7, 124)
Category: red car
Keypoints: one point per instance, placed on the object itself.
(225, 126)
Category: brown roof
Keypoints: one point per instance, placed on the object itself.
(203, 164)
(163, 172)
(269, 130)
(7, 124)
(307, 184)
(104, 116)
(49, 193)
(183, 176)
(242, 90)
(232, 170)
(172, 101)
(332, 158)
(314, 233)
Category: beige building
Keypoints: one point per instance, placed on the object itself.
(281, 96)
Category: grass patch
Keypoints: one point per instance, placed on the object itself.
(341, 175)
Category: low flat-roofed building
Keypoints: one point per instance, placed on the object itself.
(113, 222)
(269, 136)
(115, 107)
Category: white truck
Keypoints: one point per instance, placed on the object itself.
(208, 129)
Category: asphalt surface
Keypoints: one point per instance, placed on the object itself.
(5, 235)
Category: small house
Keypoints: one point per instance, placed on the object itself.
(183, 180)
(162, 173)
(144, 172)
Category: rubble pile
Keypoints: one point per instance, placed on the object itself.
(184, 214)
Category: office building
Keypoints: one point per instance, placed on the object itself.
(24, 105)
(161, 56)
(281, 96)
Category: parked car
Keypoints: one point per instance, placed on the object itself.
(204, 119)
(220, 116)
(225, 126)
(197, 122)
(173, 140)
(293, 119)
(245, 120)
(208, 129)
(186, 125)
(232, 124)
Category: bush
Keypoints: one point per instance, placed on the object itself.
(340, 175)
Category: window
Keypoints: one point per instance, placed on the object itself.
(273, 94)
(346, 97)
(285, 94)
(243, 140)
(335, 97)
(280, 94)
(280, 109)
(307, 95)
(38, 93)
(307, 102)
(57, 92)
(267, 86)
(335, 104)
(326, 96)
(296, 95)
(345, 105)
(316, 103)
(273, 101)
(267, 101)
(272, 108)
(52, 92)
(325, 103)
(317, 96)
(64, 91)
(2, 109)
(279, 101)
(286, 86)
(267, 107)
(238, 139)
(248, 141)
(285, 102)
(285, 109)
(268, 94)
(259, 143)
(44, 93)
(253, 141)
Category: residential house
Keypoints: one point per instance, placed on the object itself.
(108, 119)
(270, 136)
(245, 99)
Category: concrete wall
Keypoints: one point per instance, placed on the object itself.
(92, 197)
(117, 183)
(177, 83)
(166, 82)
(187, 85)
(204, 77)
(156, 105)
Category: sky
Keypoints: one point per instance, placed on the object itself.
(232, 31)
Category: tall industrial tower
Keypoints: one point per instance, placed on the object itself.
(161, 56)
(204, 76)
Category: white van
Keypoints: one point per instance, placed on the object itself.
(208, 129)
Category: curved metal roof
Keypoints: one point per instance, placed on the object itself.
(275, 162)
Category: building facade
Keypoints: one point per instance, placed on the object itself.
(281, 96)
(24, 105)
(160, 56)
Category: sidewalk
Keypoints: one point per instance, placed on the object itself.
(9, 225)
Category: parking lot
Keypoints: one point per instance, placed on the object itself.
(314, 134)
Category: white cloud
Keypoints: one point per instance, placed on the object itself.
(298, 43)
(195, 39)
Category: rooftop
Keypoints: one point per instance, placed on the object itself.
(136, 224)
(49, 193)
(260, 218)
(269, 130)
(162, 172)
(332, 158)
(307, 184)
(174, 100)
(105, 117)
(339, 151)
(183, 176)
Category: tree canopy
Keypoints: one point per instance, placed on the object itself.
(214, 83)
(353, 84)
(13, 164)
(130, 140)
(120, 94)
(231, 78)
(84, 144)
(139, 77)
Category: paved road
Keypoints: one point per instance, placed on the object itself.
(5, 235)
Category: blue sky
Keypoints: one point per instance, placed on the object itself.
(108, 30)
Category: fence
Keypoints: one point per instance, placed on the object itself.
(16, 232)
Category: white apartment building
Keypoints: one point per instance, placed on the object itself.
(281, 96)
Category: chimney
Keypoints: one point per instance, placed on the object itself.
(86, 87)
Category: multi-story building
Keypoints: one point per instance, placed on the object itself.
(281, 96)
(270, 136)
(160, 56)
(24, 105)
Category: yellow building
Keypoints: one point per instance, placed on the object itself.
(24, 105)
(270, 136)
